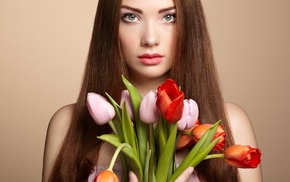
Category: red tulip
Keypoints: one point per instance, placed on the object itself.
(107, 176)
(170, 101)
(100, 109)
(198, 132)
(242, 156)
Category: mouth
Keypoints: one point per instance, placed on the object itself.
(150, 59)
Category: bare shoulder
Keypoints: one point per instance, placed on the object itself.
(56, 132)
(243, 133)
(241, 125)
(61, 119)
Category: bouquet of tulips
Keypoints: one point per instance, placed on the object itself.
(148, 130)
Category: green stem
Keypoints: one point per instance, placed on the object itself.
(186, 133)
(152, 148)
(213, 156)
(113, 127)
(116, 155)
(167, 152)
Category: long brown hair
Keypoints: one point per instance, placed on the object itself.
(104, 66)
(193, 69)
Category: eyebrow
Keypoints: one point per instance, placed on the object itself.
(140, 11)
(132, 9)
(166, 9)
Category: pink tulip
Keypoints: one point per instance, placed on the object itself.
(125, 97)
(148, 110)
(189, 115)
(100, 109)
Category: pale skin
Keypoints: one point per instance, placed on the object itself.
(152, 29)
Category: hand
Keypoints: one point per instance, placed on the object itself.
(183, 177)
(132, 177)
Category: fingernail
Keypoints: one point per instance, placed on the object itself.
(190, 170)
(132, 175)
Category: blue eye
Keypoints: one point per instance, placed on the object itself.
(130, 17)
(169, 17)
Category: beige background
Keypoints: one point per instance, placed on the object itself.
(43, 47)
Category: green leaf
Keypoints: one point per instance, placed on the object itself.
(111, 138)
(142, 129)
(201, 155)
(166, 155)
(162, 135)
(128, 129)
(124, 167)
(205, 140)
(118, 128)
(116, 106)
(131, 156)
(152, 162)
(211, 134)
(147, 163)
(134, 95)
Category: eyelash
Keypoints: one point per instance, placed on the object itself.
(126, 17)
(172, 15)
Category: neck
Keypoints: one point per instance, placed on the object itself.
(144, 85)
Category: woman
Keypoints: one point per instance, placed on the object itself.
(147, 41)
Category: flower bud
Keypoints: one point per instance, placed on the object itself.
(189, 115)
(186, 139)
(170, 101)
(199, 131)
(100, 109)
(125, 97)
(242, 156)
(148, 110)
(107, 176)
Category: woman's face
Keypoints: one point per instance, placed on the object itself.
(147, 36)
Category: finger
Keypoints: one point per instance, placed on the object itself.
(185, 175)
(132, 177)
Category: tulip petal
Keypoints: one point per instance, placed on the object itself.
(184, 141)
(125, 97)
(148, 110)
(242, 156)
(163, 101)
(108, 176)
(199, 130)
(171, 88)
(193, 114)
(189, 115)
(174, 111)
(100, 109)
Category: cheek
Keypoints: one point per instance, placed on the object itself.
(173, 39)
(127, 43)
(169, 40)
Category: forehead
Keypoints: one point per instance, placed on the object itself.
(150, 4)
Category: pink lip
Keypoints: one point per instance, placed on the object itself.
(150, 59)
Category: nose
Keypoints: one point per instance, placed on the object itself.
(150, 37)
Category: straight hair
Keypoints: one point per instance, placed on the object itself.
(193, 69)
